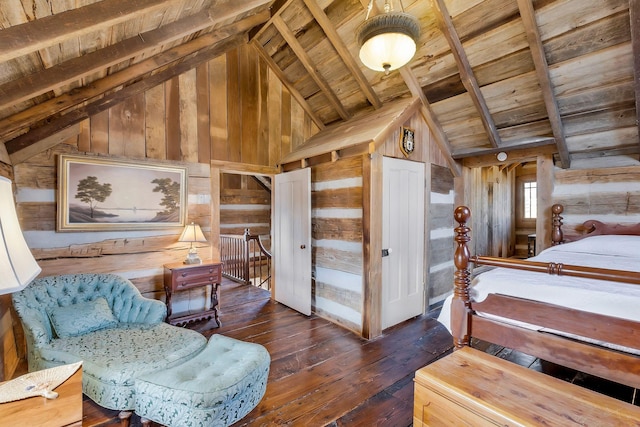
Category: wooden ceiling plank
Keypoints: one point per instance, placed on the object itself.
(277, 9)
(41, 33)
(311, 68)
(334, 38)
(430, 118)
(24, 142)
(21, 122)
(634, 15)
(74, 69)
(290, 87)
(527, 14)
(466, 73)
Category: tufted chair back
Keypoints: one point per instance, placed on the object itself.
(125, 301)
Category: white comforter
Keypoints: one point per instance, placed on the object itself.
(596, 296)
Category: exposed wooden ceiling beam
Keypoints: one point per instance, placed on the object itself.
(310, 66)
(515, 145)
(32, 117)
(519, 156)
(430, 118)
(333, 36)
(466, 73)
(290, 87)
(634, 14)
(44, 32)
(528, 16)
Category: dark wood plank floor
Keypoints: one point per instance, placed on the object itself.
(321, 374)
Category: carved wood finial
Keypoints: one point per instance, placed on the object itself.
(461, 304)
(556, 234)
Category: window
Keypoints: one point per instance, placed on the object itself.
(530, 200)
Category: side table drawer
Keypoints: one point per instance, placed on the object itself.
(196, 276)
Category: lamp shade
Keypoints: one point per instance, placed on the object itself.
(192, 233)
(17, 265)
(388, 41)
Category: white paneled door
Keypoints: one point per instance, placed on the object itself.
(292, 239)
(402, 240)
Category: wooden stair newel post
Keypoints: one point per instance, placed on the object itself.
(461, 304)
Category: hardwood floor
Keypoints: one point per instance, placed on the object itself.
(320, 374)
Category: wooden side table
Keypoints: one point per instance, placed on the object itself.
(181, 277)
(65, 410)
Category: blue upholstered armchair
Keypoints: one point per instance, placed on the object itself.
(103, 320)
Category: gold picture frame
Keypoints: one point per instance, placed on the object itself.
(99, 194)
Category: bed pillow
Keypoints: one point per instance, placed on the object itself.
(615, 245)
(79, 319)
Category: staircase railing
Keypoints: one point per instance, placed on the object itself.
(245, 259)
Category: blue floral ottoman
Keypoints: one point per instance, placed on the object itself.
(218, 387)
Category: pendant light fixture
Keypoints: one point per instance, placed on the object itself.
(388, 41)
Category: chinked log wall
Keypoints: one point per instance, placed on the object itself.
(336, 204)
(245, 204)
(609, 195)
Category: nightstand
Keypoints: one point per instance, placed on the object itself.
(181, 277)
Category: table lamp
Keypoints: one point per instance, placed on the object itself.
(17, 265)
(192, 233)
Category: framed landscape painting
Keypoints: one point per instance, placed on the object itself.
(96, 194)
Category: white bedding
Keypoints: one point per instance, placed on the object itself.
(597, 296)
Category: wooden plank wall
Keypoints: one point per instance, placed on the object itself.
(489, 192)
(608, 195)
(231, 109)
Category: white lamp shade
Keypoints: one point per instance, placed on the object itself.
(17, 265)
(192, 233)
(391, 49)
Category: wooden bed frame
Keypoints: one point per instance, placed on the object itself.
(617, 366)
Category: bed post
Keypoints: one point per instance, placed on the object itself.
(461, 304)
(556, 234)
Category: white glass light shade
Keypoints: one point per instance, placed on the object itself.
(17, 265)
(388, 41)
(388, 51)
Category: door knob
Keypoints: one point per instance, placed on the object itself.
(303, 246)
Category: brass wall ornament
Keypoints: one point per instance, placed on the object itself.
(407, 141)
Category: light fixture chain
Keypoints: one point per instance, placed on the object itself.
(369, 9)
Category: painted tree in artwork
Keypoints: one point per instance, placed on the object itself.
(91, 192)
(171, 190)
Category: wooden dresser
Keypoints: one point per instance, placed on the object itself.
(181, 277)
(472, 388)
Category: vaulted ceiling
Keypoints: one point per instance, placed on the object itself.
(526, 77)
